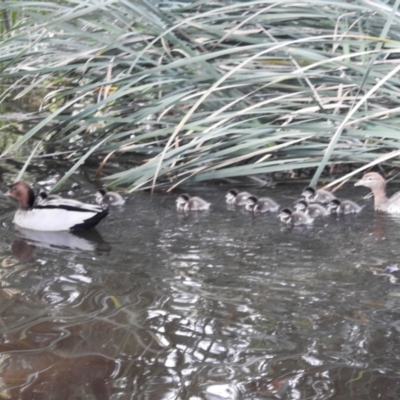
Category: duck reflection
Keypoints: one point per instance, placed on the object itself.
(65, 241)
(22, 249)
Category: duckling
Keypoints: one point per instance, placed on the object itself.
(233, 197)
(314, 210)
(262, 204)
(44, 197)
(289, 217)
(343, 207)
(317, 195)
(109, 198)
(54, 215)
(48, 199)
(377, 184)
(186, 203)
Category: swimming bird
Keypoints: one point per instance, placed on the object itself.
(44, 197)
(343, 207)
(184, 202)
(289, 217)
(236, 198)
(54, 215)
(313, 195)
(314, 210)
(109, 198)
(262, 204)
(377, 184)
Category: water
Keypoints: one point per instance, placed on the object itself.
(214, 305)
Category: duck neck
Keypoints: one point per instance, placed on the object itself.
(380, 195)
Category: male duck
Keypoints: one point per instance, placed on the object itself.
(235, 198)
(317, 195)
(104, 197)
(186, 203)
(343, 207)
(314, 210)
(377, 184)
(289, 217)
(53, 215)
(262, 204)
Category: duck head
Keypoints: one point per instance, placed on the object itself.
(23, 193)
(285, 215)
(99, 195)
(301, 205)
(43, 195)
(231, 194)
(372, 180)
(333, 205)
(182, 200)
(250, 203)
(308, 192)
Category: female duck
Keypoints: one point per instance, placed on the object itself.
(377, 184)
(53, 215)
(343, 207)
(317, 196)
(104, 197)
(262, 204)
(314, 210)
(235, 198)
(295, 218)
(186, 203)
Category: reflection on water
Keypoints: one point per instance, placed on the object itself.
(81, 241)
(214, 305)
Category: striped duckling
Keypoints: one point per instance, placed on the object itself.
(294, 218)
(314, 210)
(104, 197)
(313, 195)
(186, 203)
(44, 197)
(337, 206)
(262, 204)
(236, 198)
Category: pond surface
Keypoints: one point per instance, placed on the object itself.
(215, 305)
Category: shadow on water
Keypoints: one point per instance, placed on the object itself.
(213, 305)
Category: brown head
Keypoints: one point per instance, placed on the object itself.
(23, 193)
(374, 181)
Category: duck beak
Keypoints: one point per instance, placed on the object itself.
(359, 183)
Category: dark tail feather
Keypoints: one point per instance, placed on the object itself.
(90, 222)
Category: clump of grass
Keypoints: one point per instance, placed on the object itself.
(207, 91)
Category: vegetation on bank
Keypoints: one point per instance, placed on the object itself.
(195, 91)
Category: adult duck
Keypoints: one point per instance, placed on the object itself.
(53, 215)
(377, 184)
